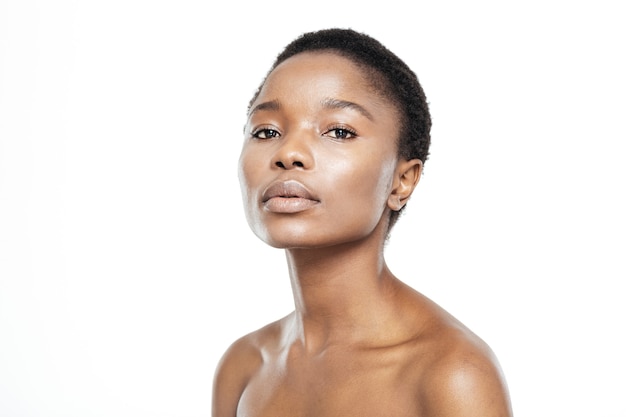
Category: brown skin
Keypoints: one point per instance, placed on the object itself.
(360, 342)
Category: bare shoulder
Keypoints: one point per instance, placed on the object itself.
(466, 383)
(238, 364)
(464, 377)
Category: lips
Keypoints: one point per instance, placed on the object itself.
(288, 197)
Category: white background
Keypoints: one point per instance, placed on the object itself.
(126, 264)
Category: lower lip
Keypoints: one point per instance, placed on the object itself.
(289, 205)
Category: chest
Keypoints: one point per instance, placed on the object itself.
(359, 385)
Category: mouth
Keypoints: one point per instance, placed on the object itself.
(288, 197)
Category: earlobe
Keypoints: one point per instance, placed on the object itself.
(408, 173)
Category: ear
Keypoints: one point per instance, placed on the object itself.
(406, 177)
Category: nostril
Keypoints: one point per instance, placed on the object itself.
(296, 164)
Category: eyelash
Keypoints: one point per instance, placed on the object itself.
(346, 130)
(256, 134)
(270, 133)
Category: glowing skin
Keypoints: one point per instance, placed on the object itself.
(317, 125)
(319, 173)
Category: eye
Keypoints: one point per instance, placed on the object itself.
(340, 132)
(265, 133)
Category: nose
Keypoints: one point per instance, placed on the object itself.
(293, 152)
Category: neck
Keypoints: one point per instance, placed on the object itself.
(340, 293)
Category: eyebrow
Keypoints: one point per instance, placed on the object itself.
(333, 103)
(327, 103)
(273, 105)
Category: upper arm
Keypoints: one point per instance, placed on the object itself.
(469, 385)
(231, 377)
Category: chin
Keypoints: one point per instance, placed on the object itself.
(291, 240)
(306, 233)
(309, 239)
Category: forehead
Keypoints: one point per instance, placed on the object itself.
(318, 61)
(325, 72)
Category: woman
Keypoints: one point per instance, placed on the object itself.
(335, 142)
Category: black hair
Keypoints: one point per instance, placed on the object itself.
(389, 75)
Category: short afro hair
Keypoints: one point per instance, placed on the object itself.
(391, 76)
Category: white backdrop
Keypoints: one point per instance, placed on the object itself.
(126, 264)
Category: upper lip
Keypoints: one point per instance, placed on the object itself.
(287, 189)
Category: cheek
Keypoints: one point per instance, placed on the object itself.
(362, 189)
(249, 177)
(248, 172)
(375, 186)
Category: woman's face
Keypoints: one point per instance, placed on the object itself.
(318, 162)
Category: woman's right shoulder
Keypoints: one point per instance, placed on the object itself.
(239, 363)
(245, 355)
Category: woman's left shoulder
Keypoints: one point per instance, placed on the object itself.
(464, 378)
(456, 372)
